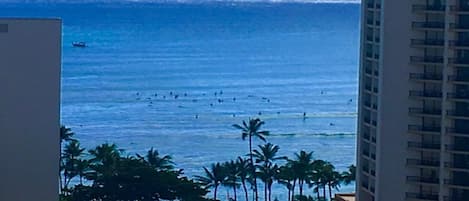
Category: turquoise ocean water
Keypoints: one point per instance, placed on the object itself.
(275, 61)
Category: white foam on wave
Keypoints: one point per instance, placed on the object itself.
(181, 1)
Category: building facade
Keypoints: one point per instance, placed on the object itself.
(413, 124)
(30, 61)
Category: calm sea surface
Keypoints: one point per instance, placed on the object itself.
(177, 76)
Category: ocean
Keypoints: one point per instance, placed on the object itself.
(176, 76)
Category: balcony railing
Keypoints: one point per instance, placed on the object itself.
(461, 183)
(458, 113)
(448, 198)
(457, 165)
(428, 8)
(420, 145)
(459, 61)
(424, 111)
(457, 148)
(422, 196)
(428, 25)
(430, 180)
(426, 76)
(460, 95)
(431, 163)
(457, 131)
(458, 78)
(432, 129)
(426, 94)
(459, 43)
(427, 42)
(459, 8)
(459, 26)
(427, 59)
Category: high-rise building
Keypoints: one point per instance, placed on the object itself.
(413, 124)
(30, 60)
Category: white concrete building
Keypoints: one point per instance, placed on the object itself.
(413, 125)
(30, 61)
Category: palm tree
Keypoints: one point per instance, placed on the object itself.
(266, 156)
(232, 176)
(243, 173)
(302, 166)
(286, 177)
(213, 178)
(71, 153)
(66, 135)
(156, 161)
(329, 177)
(253, 129)
(267, 173)
(82, 168)
(318, 177)
(104, 160)
(349, 176)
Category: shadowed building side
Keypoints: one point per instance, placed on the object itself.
(30, 61)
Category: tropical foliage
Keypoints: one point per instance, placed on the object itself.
(104, 173)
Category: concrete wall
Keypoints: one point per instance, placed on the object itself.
(30, 60)
(393, 100)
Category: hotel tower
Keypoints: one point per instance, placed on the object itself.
(30, 61)
(413, 122)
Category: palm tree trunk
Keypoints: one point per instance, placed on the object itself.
(293, 190)
(300, 183)
(330, 191)
(317, 193)
(289, 194)
(234, 191)
(81, 180)
(253, 168)
(245, 190)
(270, 191)
(265, 191)
(215, 193)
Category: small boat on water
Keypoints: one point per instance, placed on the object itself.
(79, 44)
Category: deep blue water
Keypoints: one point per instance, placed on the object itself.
(277, 60)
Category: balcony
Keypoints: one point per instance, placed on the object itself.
(461, 96)
(423, 163)
(370, 106)
(426, 77)
(429, 8)
(425, 112)
(426, 94)
(421, 196)
(457, 149)
(424, 146)
(427, 43)
(457, 165)
(436, 26)
(459, 62)
(427, 60)
(457, 184)
(459, 44)
(424, 129)
(459, 9)
(459, 79)
(461, 27)
(458, 114)
(457, 132)
(423, 180)
(446, 198)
